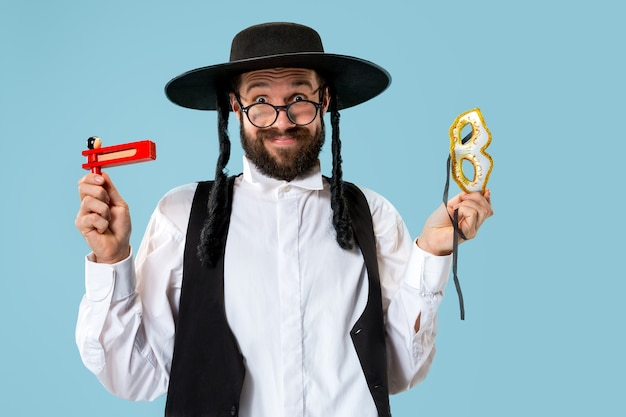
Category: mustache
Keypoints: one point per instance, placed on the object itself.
(296, 132)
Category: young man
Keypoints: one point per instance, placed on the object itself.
(270, 293)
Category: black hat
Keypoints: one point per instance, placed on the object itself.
(275, 45)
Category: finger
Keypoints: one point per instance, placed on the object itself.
(482, 208)
(469, 221)
(483, 199)
(93, 179)
(93, 214)
(481, 202)
(452, 204)
(92, 185)
(114, 196)
(93, 191)
(91, 222)
(91, 204)
(476, 196)
(471, 217)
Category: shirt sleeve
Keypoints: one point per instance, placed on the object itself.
(412, 284)
(411, 353)
(125, 327)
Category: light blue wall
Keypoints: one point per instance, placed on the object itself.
(543, 281)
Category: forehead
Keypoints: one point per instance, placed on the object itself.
(279, 78)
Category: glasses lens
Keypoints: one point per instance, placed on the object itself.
(302, 112)
(262, 114)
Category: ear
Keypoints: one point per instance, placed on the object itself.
(234, 104)
(326, 101)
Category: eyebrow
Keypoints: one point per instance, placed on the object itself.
(265, 84)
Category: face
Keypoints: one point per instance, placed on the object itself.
(283, 150)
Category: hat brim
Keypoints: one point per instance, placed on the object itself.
(355, 80)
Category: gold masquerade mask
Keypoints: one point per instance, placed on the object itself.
(470, 148)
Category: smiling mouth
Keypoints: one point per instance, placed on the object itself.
(283, 140)
(288, 137)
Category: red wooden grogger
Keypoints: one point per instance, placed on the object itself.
(111, 156)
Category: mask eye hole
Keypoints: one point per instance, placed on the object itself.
(467, 168)
(467, 132)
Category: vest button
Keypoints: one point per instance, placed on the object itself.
(233, 410)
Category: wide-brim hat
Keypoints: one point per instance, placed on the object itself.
(280, 45)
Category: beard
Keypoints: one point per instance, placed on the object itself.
(290, 162)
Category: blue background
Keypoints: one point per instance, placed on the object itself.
(543, 282)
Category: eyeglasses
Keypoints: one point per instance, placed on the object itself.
(300, 113)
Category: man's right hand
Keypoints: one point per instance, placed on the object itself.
(103, 218)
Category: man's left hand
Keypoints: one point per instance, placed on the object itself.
(438, 232)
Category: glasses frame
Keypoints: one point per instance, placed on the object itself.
(286, 107)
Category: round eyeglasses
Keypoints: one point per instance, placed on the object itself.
(262, 115)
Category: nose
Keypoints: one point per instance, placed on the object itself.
(283, 120)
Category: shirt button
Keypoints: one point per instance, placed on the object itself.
(286, 188)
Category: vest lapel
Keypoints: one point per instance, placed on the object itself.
(207, 367)
(368, 333)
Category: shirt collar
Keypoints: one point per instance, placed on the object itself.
(312, 181)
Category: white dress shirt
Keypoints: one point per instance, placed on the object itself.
(291, 296)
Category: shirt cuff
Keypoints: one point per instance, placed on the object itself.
(109, 281)
(428, 273)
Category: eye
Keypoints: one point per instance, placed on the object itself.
(260, 100)
(300, 97)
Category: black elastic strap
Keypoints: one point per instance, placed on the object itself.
(455, 241)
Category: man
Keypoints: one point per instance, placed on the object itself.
(267, 294)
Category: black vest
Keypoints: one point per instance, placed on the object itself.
(207, 371)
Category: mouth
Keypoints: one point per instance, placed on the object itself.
(282, 140)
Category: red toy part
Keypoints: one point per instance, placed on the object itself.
(124, 154)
